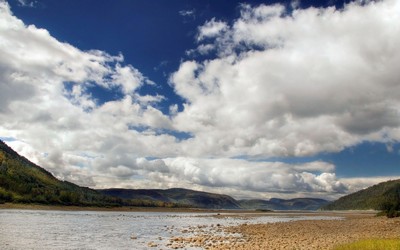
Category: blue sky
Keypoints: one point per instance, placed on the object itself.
(253, 99)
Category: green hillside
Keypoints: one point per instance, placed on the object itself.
(181, 196)
(378, 197)
(22, 181)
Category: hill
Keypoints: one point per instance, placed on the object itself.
(213, 201)
(377, 197)
(24, 182)
(281, 204)
(180, 196)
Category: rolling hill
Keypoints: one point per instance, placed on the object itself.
(213, 201)
(181, 196)
(376, 197)
(24, 182)
(281, 204)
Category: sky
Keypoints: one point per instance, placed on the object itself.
(254, 99)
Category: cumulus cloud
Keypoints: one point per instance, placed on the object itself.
(358, 183)
(232, 175)
(211, 29)
(128, 77)
(46, 103)
(294, 83)
(277, 83)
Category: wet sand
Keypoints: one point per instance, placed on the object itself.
(307, 234)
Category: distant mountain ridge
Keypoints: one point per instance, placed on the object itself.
(214, 201)
(282, 204)
(22, 181)
(182, 196)
(375, 197)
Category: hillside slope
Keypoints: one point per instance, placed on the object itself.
(281, 204)
(375, 197)
(177, 195)
(25, 182)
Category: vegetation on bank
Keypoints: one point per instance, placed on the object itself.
(372, 244)
(384, 197)
(390, 209)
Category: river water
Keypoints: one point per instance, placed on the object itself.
(37, 229)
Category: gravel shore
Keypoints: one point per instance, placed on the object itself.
(306, 234)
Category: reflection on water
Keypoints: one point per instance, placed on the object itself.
(34, 229)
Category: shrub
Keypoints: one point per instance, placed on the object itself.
(5, 196)
(390, 209)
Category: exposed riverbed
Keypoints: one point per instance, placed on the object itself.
(39, 229)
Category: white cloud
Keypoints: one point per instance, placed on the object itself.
(128, 77)
(205, 49)
(357, 183)
(211, 29)
(65, 125)
(294, 84)
(315, 177)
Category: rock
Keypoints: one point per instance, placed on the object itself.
(152, 244)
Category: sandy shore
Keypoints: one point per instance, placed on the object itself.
(307, 234)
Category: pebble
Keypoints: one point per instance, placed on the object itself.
(302, 235)
(152, 244)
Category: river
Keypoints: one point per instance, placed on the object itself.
(43, 229)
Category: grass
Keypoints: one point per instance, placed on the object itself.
(372, 244)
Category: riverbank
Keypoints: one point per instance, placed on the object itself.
(299, 235)
(120, 209)
(203, 229)
(324, 234)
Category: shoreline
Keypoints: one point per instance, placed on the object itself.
(101, 209)
(326, 233)
(182, 210)
(322, 234)
(299, 235)
(125, 209)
